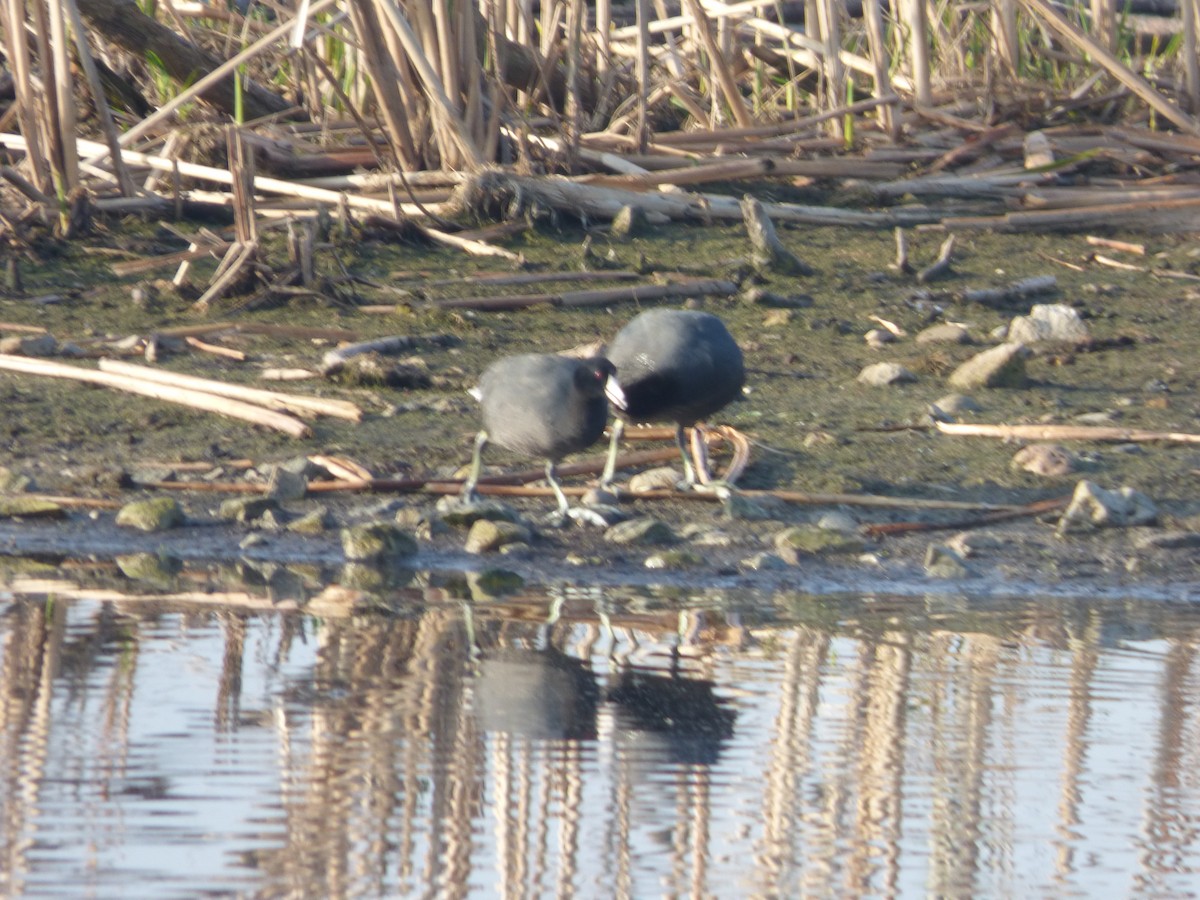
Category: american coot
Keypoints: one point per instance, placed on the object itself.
(542, 405)
(673, 365)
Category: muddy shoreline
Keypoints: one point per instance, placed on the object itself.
(813, 426)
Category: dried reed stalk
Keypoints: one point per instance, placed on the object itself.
(196, 399)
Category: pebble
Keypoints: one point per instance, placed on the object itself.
(313, 522)
(885, 373)
(956, 405)
(285, 485)
(18, 507)
(463, 515)
(762, 562)
(1002, 366)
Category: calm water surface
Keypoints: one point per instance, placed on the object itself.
(596, 744)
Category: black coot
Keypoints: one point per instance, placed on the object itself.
(541, 405)
(673, 365)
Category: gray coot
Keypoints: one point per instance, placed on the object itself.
(674, 365)
(542, 405)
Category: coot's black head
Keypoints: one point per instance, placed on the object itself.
(592, 376)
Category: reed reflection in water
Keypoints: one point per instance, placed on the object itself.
(600, 744)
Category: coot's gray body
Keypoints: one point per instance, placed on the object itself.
(673, 365)
(541, 405)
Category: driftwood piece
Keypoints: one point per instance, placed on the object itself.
(940, 266)
(296, 403)
(197, 399)
(767, 252)
(1017, 290)
(336, 359)
(1067, 433)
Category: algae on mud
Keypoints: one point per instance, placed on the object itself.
(814, 427)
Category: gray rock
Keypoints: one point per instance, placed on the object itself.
(1092, 506)
(463, 515)
(377, 542)
(675, 558)
(285, 485)
(811, 540)
(1049, 460)
(1048, 322)
(1002, 366)
(944, 333)
(17, 506)
(957, 404)
(885, 373)
(628, 222)
(14, 482)
(740, 507)
(315, 521)
(943, 562)
(838, 520)
(662, 478)
(878, 338)
(762, 562)
(488, 536)
(155, 514)
(29, 345)
(245, 509)
(645, 530)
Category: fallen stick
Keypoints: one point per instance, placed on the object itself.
(884, 529)
(639, 293)
(215, 349)
(342, 409)
(1111, 244)
(1066, 433)
(335, 359)
(197, 399)
(939, 266)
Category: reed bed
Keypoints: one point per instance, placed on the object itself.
(401, 109)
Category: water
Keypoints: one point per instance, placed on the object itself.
(596, 743)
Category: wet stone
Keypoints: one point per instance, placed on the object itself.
(762, 562)
(812, 540)
(155, 514)
(377, 542)
(488, 536)
(1002, 366)
(943, 562)
(285, 485)
(245, 509)
(885, 373)
(740, 507)
(21, 507)
(676, 558)
(646, 530)
(315, 521)
(457, 514)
